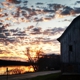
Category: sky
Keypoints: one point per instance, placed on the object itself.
(35, 25)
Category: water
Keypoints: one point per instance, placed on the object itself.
(10, 70)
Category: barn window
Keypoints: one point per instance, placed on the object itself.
(70, 48)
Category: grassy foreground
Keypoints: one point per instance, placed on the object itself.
(56, 76)
(48, 77)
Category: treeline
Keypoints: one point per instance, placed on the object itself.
(49, 62)
(14, 63)
(46, 62)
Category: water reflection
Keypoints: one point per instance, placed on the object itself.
(10, 70)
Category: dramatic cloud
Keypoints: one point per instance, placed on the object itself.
(36, 30)
(77, 2)
(0, 23)
(66, 10)
(14, 1)
(39, 3)
(77, 10)
(55, 7)
(25, 2)
(53, 31)
(24, 25)
(21, 13)
(2, 35)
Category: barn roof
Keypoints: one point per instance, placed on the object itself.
(68, 28)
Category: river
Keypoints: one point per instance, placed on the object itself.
(10, 70)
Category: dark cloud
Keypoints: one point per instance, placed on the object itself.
(12, 35)
(10, 40)
(5, 30)
(14, 1)
(66, 10)
(2, 35)
(1, 28)
(5, 14)
(58, 29)
(77, 2)
(7, 34)
(36, 31)
(53, 31)
(25, 2)
(36, 19)
(50, 6)
(39, 3)
(24, 13)
(0, 23)
(46, 10)
(55, 7)
(25, 8)
(20, 34)
(77, 10)
(44, 40)
(13, 30)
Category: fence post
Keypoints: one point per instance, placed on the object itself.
(7, 73)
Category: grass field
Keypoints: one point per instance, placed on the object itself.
(56, 76)
(47, 77)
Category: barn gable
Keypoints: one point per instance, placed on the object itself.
(75, 23)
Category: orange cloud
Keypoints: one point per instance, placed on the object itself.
(14, 1)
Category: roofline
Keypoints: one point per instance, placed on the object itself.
(78, 17)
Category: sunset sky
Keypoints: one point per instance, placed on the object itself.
(35, 25)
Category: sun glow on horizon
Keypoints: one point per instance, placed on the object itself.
(19, 50)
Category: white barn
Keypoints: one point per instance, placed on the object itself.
(70, 47)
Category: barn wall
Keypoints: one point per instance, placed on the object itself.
(71, 59)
